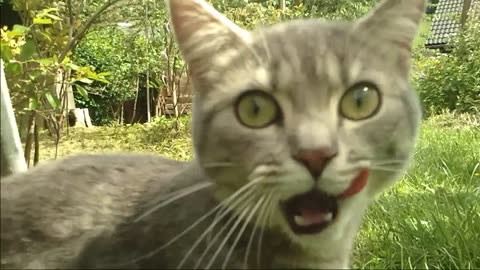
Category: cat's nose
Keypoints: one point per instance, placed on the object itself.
(315, 159)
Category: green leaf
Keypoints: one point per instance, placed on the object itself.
(48, 10)
(45, 61)
(104, 74)
(85, 80)
(15, 33)
(99, 79)
(17, 28)
(13, 68)
(45, 35)
(53, 100)
(73, 66)
(27, 50)
(82, 91)
(56, 18)
(33, 104)
(42, 21)
(6, 52)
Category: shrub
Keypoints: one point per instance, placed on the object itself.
(452, 81)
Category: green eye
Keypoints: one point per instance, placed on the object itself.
(256, 109)
(360, 101)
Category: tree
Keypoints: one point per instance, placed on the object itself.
(37, 60)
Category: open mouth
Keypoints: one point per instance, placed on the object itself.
(315, 210)
(310, 212)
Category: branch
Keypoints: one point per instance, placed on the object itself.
(72, 42)
(72, 21)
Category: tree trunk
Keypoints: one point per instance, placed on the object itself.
(88, 120)
(147, 32)
(136, 100)
(122, 112)
(175, 100)
(36, 139)
(282, 5)
(148, 98)
(465, 9)
(29, 139)
(77, 118)
(12, 160)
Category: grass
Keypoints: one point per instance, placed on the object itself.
(431, 219)
(156, 137)
(423, 32)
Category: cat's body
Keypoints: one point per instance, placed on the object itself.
(296, 128)
(100, 223)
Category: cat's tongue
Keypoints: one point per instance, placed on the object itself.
(357, 185)
(311, 211)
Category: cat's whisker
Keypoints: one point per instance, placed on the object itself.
(386, 169)
(217, 235)
(262, 230)
(220, 215)
(270, 215)
(200, 220)
(246, 198)
(218, 165)
(387, 162)
(254, 52)
(232, 230)
(242, 230)
(173, 197)
(261, 213)
(266, 47)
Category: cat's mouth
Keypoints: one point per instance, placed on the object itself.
(312, 212)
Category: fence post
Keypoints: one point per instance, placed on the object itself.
(11, 150)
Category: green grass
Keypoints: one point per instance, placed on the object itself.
(156, 137)
(431, 219)
(423, 32)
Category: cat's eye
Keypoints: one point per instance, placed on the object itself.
(360, 101)
(257, 109)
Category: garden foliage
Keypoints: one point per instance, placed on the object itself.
(451, 80)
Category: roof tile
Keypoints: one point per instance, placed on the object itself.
(446, 22)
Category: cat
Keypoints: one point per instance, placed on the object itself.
(296, 128)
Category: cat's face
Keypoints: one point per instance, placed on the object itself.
(316, 117)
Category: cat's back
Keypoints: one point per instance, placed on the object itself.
(51, 211)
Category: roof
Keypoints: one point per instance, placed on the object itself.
(446, 22)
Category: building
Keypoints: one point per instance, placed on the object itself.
(448, 19)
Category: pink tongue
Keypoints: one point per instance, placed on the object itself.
(312, 216)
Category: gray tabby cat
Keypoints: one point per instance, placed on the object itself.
(296, 128)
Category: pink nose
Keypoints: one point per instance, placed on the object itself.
(315, 159)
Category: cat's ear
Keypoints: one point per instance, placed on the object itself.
(393, 22)
(203, 33)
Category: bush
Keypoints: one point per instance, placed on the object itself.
(452, 81)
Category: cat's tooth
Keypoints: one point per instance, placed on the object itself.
(300, 221)
(328, 217)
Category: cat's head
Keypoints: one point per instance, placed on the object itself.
(316, 118)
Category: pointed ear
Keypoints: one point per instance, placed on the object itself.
(203, 33)
(393, 22)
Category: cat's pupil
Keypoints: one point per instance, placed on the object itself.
(359, 97)
(255, 107)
